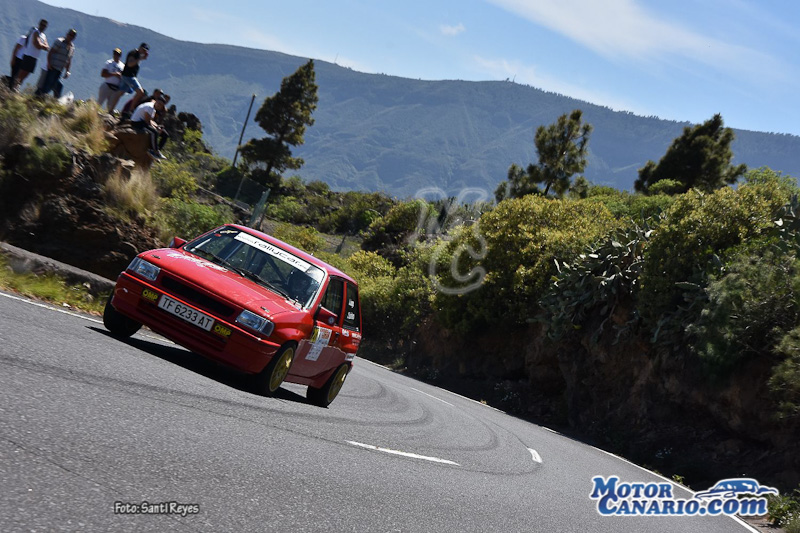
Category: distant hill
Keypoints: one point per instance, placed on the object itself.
(372, 131)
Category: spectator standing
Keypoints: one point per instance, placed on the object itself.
(112, 74)
(129, 79)
(57, 88)
(35, 42)
(59, 60)
(143, 119)
(16, 59)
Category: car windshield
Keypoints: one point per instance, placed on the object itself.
(264, 263)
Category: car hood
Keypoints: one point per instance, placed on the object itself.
(219, 280)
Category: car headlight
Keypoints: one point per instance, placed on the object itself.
(255, 322)
(144, 268)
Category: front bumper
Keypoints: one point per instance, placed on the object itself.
(240, 349)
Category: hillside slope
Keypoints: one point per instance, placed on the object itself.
(372, 131)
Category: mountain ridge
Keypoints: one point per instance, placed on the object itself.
(378, 131)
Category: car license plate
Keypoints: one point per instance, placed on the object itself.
(186, 313)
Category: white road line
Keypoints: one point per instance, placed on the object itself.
(535, 456)
(76, 315)
(45, 306)
(404, 454)
(434, 397)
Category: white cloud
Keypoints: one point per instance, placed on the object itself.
(452, 31)
(622, 29)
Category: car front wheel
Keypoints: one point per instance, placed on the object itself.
(270, 379)
(328, 392)
(118, 324)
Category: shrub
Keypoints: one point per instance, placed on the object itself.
(592, 286)
(393, 300)
(700, 229)
(785, 380)
(750, 307)
(15, 120)
(305, 238)
(784, 509)
(44, 161)
(516, 245)
(188, 218)
(399, 223)
(173, 180)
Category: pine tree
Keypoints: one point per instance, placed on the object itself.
(699, 159)
(562, 154)
(284, 116)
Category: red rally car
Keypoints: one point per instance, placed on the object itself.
(247, 300)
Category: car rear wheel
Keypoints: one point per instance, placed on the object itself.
(270, 379)
(118, 324)
(328, 392)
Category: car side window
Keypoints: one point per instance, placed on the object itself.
(352, 313)
(332, 301)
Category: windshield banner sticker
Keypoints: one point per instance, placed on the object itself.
(274, 251)
(736, 496)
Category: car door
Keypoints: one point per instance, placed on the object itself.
(323, 350)
(350, 338)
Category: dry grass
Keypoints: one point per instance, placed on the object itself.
(80, 126)
(128, 197)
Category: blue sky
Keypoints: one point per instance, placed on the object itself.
(677, 59)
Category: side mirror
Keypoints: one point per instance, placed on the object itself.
(325, 316)
(177, 242)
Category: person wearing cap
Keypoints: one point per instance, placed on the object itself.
(35, 42)
(144, 119)
(59, 59)
(111, 74)
(129, 81)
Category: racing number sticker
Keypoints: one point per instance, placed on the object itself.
(319, 339)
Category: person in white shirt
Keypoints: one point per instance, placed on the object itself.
(16, 59)
(111, 74)
(144, 119)
(35, 42)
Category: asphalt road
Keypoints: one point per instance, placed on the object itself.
(87, 421)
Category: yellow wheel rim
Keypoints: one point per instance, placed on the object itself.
(338, 381)
(281, 369)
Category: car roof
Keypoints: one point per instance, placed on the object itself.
(332, 270)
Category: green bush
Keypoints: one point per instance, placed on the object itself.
(188, 218)
(517, 245)
(173, 180)
(638, 207)
(785, 380)
(307, 239)
(590, 288)
(15, 120)
(750, 307)
(700, 229)
(393, 301)
(784, 509)
(393, 229)
(44, 161)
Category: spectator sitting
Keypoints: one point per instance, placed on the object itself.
(143, 119)
(111, 74)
